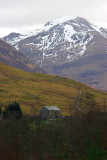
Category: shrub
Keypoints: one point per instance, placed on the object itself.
(13, 110)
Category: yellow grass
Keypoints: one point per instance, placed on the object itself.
(33, 90)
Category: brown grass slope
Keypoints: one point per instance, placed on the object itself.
(33, 90)
(11, 56)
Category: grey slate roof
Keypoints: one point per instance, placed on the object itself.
(50, 108)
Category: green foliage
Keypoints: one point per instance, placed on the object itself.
(13, 110)
(93, 145)
(0, 111)
(62, 156)
(94, 151)
(5, 114)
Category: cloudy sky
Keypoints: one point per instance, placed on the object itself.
(24, 15)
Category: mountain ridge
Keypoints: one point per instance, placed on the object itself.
(67, 41)
(17, 59)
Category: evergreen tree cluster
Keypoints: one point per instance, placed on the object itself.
(0, 111)
(13, 110)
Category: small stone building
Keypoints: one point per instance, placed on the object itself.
(50, 112)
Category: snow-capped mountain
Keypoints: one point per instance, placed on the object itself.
(62, 42)
(14, 38)
(17, 59)
(59, 41)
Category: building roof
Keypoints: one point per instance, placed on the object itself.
(50, 108)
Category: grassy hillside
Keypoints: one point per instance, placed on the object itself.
(33, 90)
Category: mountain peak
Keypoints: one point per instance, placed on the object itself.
(80, 19)
(63, 41)
(14, 34)
(59, 20)
(76, 22)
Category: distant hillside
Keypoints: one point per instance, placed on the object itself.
(69, 47)
(33, 90)
(17, 59)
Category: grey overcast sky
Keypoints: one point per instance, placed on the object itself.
(23, 15)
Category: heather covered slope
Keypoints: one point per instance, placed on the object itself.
(33, 90)
(17, 59)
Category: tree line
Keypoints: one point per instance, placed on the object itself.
(12, 110)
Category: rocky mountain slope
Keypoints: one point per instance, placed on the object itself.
(15, 58)
(65, 42)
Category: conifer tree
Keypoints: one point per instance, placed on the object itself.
(0, 111)
(13, 109)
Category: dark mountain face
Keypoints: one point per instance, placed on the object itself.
(11, 56)
(12, 38)
(91, 70)
(72, 48)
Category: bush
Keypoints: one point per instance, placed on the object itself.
(13, 110)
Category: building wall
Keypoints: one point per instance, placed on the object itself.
(43, 113)
(54, 114)
(49, 114)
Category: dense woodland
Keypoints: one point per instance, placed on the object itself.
(79, 137)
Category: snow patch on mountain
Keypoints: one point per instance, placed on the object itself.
(68, 31)
(71, 26)
(58, 41)
(17, 47)
(15, 40)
